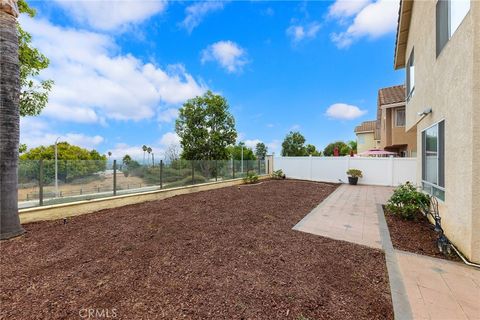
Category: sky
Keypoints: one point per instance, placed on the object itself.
(122, 69)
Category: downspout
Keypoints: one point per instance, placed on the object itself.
(468, 263)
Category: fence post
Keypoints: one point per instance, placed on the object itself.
(233, 169)
(258, 166)
(311, 167)
(161, 174)
(40, 184)
(391, 171)
(216, 171)
(193, 172)
(114, 177)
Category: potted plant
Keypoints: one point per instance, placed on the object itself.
(353, 175)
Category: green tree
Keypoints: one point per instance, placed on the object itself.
(73, 162)
(34, 92)
(312, 150)
(9, 121)
(343, 148)
(206, 128)
(126, 159)
(236, 152)
(261, 150)
(353, 145)
(294, 145)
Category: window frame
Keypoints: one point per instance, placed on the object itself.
(410, 65)
(437, 190)
(443, 31)
(404, 117)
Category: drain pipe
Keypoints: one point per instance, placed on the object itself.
(468, 263)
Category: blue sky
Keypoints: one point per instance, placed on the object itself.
(122, 69)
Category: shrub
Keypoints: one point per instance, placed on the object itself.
(187, 181)
(354, 173)
(407, 202)
(251, 177)
(278, 174)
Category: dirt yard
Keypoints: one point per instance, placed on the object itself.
(223, 254)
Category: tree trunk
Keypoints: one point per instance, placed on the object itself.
(9, 125)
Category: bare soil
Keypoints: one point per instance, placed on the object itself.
(229, 253)
(417, 236)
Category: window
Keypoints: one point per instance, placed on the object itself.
(410, 75)
(449, 16)
(433, 160)
(400, 117)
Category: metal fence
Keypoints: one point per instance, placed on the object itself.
(42, 182)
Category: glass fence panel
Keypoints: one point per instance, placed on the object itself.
(48, 182)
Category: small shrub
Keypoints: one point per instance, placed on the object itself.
(251, 177)
(407, 202)
(354, 173)
(278, 174)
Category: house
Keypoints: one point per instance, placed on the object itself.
(388, 132)
(391, 123)
(438, 44)
(365, 133)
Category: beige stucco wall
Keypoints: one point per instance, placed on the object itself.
(369, 141)
(449, 85)
(393, 135)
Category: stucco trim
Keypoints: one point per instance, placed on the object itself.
(403, 28)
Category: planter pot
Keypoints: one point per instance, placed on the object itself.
(353, 180)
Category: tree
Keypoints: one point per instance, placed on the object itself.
(144, 148)
(235, 152)
(9, 121)
(293, 145)
(126, 159)
(343, 148)
(149, 150)
(261, 150)
(312, 150)
(206, 128)
(34, 92)
(74, 162)
(22, 148)
(172, 153)
(353, 145)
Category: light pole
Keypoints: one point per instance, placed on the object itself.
(56, 168)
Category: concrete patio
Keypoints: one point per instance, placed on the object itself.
(422, 287)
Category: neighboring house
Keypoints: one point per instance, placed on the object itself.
(366, 136)
(438, 43)
(391, 123)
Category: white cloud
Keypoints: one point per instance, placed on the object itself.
(35, 132)
(93, 82)
(373, 20)
(302, 32)
(135, 152)
(294, 127)
(196, 12)
(252, 143)
(344, 111)
(227, 53)
(168, 115)
(169, 138)
(111, 14)
(274, 147)
(346, 8)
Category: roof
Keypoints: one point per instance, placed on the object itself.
(403, 26)
(366, 126)
(386, 96)
(391, 95)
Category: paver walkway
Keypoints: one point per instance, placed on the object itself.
(422, 287)
(350, 214)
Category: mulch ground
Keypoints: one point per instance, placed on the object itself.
(417, 236)
(223, 254)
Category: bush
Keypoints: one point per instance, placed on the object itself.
(278, 174)
(187, 181)
(407, 202)
(354, 173)
(251, 177)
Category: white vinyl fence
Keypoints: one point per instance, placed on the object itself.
(376, 171)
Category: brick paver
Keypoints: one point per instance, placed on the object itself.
(422, 287)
